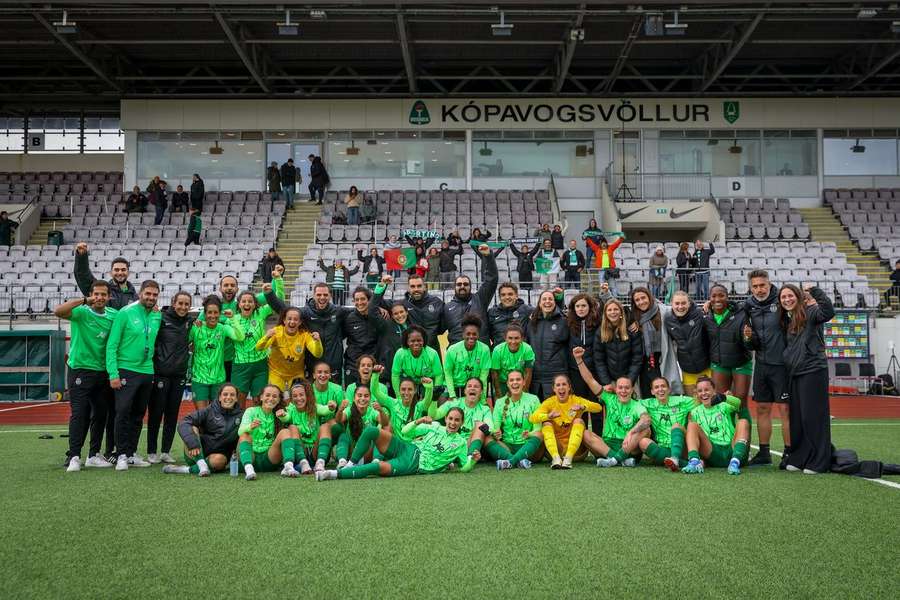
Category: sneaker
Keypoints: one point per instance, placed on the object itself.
(74, 465)
(629, 462)
(566, 463)
(326, 475)
(503, 464)
(153, 458)
(122, 463)
(694, 466)
(792, 469)
(98, 461)
(289, 471)
(607, 462)
(342, 463)
(203, 467)
(320, 466)
(557, 463)
(305, 469)
(137, 461)
(249, 473)
(167, 458)
(784, 462)
(672, 463)
(176, 470)
(810, 472)
(349, 464)
(734, 467)
(524, 464)
(760, 460)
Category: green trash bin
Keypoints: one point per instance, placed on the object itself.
(55, 238)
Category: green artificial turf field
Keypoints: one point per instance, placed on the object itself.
(630, 533)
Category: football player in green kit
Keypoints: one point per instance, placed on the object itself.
(303, 414)
(668, 418)
(250, 369)
(259, 447)
(477, 418)
(516, 441)
(407, 406)
(208, 340)
(328, 394)
(434, 448)
(713, 435)
(466, 359)
(353, 417)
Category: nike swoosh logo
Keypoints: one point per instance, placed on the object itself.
(625, 215)
(675, 215)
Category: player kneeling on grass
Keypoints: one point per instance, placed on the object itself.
(477, 419)
(625, 424)
(210, 435)
(712, 434)
(259, 446)
(433, 449)
(355, 417)
(562, 425)
(516, 441)
(303, 415)
(668, 418)
(407, 407)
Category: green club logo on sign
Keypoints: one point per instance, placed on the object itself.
(419, 114)
(731, 111)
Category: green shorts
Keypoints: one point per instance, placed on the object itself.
(262, 463)
(250, 378)
(719, 456)
(205, 392)
(614, 445)
(403, 458)
(744, 369)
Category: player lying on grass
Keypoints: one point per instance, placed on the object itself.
(210, 435)
(712, 434)
(303, 414)
(562, 426)
(407, 407)
(433, 449)
(515, 440)
(625, 423)
(260, 448)
(668, 418)
(353, 417)
(477, 419)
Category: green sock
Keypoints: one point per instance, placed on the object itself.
(342, 449)
(287, 450)
(744, 413)
(359, 471)
(475, 445)
(528, 448)
(740, 451)
(693, 454)
(364, 443)
(619, 455)
(324, 449)
(496, 451)
(245, 451)
(656, 453)
(677, 442)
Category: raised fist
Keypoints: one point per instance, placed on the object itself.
(81, 248)
(277, 271)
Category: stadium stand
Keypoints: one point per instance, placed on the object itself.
(871, 217)
(762, 219)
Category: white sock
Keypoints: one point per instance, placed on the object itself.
(201, 464)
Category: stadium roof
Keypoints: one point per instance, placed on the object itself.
(362, 48)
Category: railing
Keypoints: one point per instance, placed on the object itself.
(639, 186)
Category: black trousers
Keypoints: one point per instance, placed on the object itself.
(580, 388)
(810, 422)
(228, 365)
(89, 399)
(193, 237)
(165, 401)
(314, 188)
(649, 372)
(573, 278)
(131, 404)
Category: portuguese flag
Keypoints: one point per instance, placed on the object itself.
(400, 258)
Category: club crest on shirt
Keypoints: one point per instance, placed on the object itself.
(298, 349)
(773, 308)
(627, 419)
(78, 381)
(691, 323)
(553, 327)
(333, 318)
(160, 385)
(719, 417)
(431, 308)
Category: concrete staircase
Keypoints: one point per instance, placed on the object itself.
(824, 226)
(39, 237)
(297, 232)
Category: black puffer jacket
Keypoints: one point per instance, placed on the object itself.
(170, 356)
(367, 259)
(726, 341)
(549, 338)
(805, 351)
(388, 334)
(768, 337)
(690, 338)
(617, 358)
(525, 261)
(455, 309)
(328, 322)
(447, 258)
(218, 429)
(427, 313)
(499, 318)
(119, 297)
(583, 337)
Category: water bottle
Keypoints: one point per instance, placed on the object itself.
(233, 466)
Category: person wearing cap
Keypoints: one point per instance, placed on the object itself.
(659, 262)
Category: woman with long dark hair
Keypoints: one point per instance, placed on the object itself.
(548, 336)
(583, 319)
(659, 357)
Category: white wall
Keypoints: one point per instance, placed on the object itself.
(862, 181)
(883, 331)
(61, 162)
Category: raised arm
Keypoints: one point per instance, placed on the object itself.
(314, 344)
(64, 310)
(823, 310)
(586, 375)
(83, 276)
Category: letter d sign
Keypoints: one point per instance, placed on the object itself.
(736, 186)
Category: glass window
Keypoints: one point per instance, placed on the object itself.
(570, 158)
(181, 159)
(862, 156)
(785, 154)
(721, 157)
(396, 158)
(12, 141)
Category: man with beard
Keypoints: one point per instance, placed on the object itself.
(360, 333)
(327, 319)
(509, 309)
(465, 302)
(770, 381)
(425, 310)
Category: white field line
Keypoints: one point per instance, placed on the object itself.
(881, 481)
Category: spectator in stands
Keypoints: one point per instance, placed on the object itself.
(318, 178)
(372, 266)
(544, 232)
(547, 252)
(198, 191)
(557, 238)
(421, 266)
(159, 198)
(447, 262)
(465, 302)
(392, 244)
(510, 308)
(591, 233)
(479, 236)
(659, 262)
(121, 292)
(433, 275)
(894, 290)
(290, 177)
(572, 261)
(327, 319)
(422, 243)
(525, 264)
(195, 227)
(353, 199)
(153, 185)
(273, 179)
(267, 264)
(7, 226)
(136, 202)
(700, 264)
(605, 260)
(683, 262)
(454, 238)
(337, 276)
(180, 200)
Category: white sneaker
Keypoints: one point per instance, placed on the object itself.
(810, 472)
(249, 473)
(629, 462)
(176, 470)
(607, 462)
(305, 469)
(320, 466)
(503, 464)
(98, 462)
(122, 463)
(556, 463)
(342, 463)
(326, 475)
(566, 463)
(167, 458)
(203, 469)
(137, 461)
(289, 470)
(74, 465)
(153, 458)
(792, 469)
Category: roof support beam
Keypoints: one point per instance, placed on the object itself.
(408, 62)
(736, 46)
(563, 59)
(607, 85)
(76, 52)
(242, 54)
(874, 69)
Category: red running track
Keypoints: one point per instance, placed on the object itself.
(57, 413)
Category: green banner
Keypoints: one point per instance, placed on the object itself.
(475, 244)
